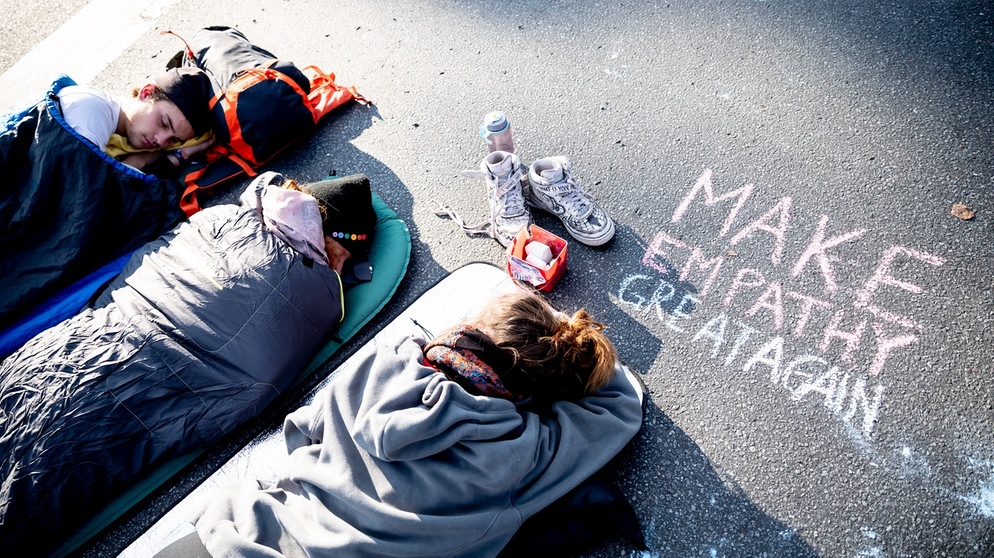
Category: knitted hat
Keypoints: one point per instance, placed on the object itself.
(190, 90)
(349, 215)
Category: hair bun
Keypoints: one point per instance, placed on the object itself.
(580, 323)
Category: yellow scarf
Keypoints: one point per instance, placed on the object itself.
(118, 145)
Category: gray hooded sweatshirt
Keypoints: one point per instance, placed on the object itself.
(393, 459)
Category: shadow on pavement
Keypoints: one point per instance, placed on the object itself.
(685, 507)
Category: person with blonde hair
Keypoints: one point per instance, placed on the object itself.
(436, 448)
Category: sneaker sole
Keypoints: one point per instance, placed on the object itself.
(599, 240)
(603, 238)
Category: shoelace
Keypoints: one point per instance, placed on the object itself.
(576, 201)
(470, 230)
(510, 200)
(504, 194)
(446, 211)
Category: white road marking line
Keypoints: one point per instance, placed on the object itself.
(81, 48)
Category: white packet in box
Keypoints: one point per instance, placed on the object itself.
(540, 251)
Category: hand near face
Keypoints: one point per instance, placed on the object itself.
(192, 150)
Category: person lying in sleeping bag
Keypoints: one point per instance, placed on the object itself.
(440, 448)
(149, 127)
(68, 207)
(202, 328)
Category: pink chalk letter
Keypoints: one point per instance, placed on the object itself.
(657, 249)
(882, 276)
(817, 247)
(779, 231)
(772, 300)
(704, 183)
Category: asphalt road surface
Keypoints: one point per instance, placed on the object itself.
(802, 270)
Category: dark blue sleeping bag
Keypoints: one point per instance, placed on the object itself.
(67, 209)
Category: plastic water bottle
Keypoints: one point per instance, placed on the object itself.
(496, 132)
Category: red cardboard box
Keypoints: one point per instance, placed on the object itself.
(519, 268)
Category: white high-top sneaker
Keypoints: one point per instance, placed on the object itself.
(508, 211)
(551, 187)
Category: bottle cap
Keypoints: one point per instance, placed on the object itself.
(495, 122)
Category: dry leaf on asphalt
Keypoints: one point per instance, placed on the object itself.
(962, 211)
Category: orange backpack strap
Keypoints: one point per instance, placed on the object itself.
(221, 166)
(188, 202)
(326, 95)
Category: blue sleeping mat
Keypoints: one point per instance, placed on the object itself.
(390, 254)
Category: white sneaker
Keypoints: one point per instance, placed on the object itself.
(508, 211)
(550, 187)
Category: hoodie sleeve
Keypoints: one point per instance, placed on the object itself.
(410, 411)
(576, 440)
(252, 196)
(351, 390)
(305, 426)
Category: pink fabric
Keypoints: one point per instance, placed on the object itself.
(294, 217)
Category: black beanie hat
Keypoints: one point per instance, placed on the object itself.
(349, 214)
(190, 90)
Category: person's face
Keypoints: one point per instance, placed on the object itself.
(337, 254)
(158, 124)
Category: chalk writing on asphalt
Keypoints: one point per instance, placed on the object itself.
(816, 336)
